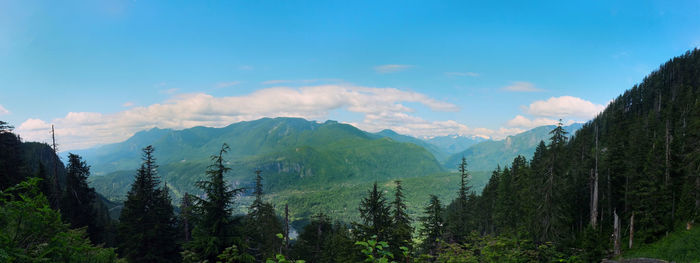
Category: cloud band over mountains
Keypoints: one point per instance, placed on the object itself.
(380, 108)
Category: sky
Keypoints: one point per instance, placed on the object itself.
(102, 70)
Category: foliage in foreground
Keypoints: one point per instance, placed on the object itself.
(30, 231)
(679, 246)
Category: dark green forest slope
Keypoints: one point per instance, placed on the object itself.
(638, 161)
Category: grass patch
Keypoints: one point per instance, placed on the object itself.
(679, 246)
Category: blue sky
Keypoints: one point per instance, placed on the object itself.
(101, 70)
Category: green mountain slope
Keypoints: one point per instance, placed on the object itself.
(292, 153)
(487, 155)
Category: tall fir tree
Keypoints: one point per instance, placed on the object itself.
(323, 241)
(401, 229)
(77, 202)
(213, 231)
(458, 220)
(432, 229)
(263, 225)
(12, 166)
(147, 230)
(375, 216)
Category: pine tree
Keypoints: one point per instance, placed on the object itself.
(401, 229)
(487, 203)
(458, 218)
(550, 207)
(78, 198)
(432, 226)
(213, 231)
(147, 231)
(375, 216)
(12, 166)
(323, 241)
(263, 225)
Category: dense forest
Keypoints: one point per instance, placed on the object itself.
(627, 179)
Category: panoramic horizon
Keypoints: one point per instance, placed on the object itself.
(106, 70)
(349, 131)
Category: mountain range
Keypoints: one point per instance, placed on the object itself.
(306, 162)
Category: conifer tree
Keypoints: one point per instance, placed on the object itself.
(147, 231)
(213, 231)
(401, 229)
(78, 198)
(487, 203)
(458, 219)
(375, 216)
(11, 162)
(263, 224)
(323, 241)
(432, 226)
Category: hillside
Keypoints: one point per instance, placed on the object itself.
(487, 155)
(293, 154)
(635, 166)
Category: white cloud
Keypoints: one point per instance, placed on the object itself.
(3, 111)
(128, 104)
(34, 125)
(381, 107)
(245, 67)
(521, 86)
(462, 74)
(524, 122)
(222, 85)
(565, 107)
(391, 68)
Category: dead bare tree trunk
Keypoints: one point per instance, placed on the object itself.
(55, 189)
(631, 229)
(616, 234)
(594, 199)
(594, 188)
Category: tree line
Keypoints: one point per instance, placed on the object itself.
(627, 178)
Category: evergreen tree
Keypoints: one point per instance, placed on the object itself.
(12, 166)
(375, 216)
(432, 226)
(458, 222)
(78, 199)
(147, 230)
(487, 203)
(549, 210)
(263, 225)
(401, 229)
(322, 241)
(213, 231)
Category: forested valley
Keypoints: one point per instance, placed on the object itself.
(627, 184)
